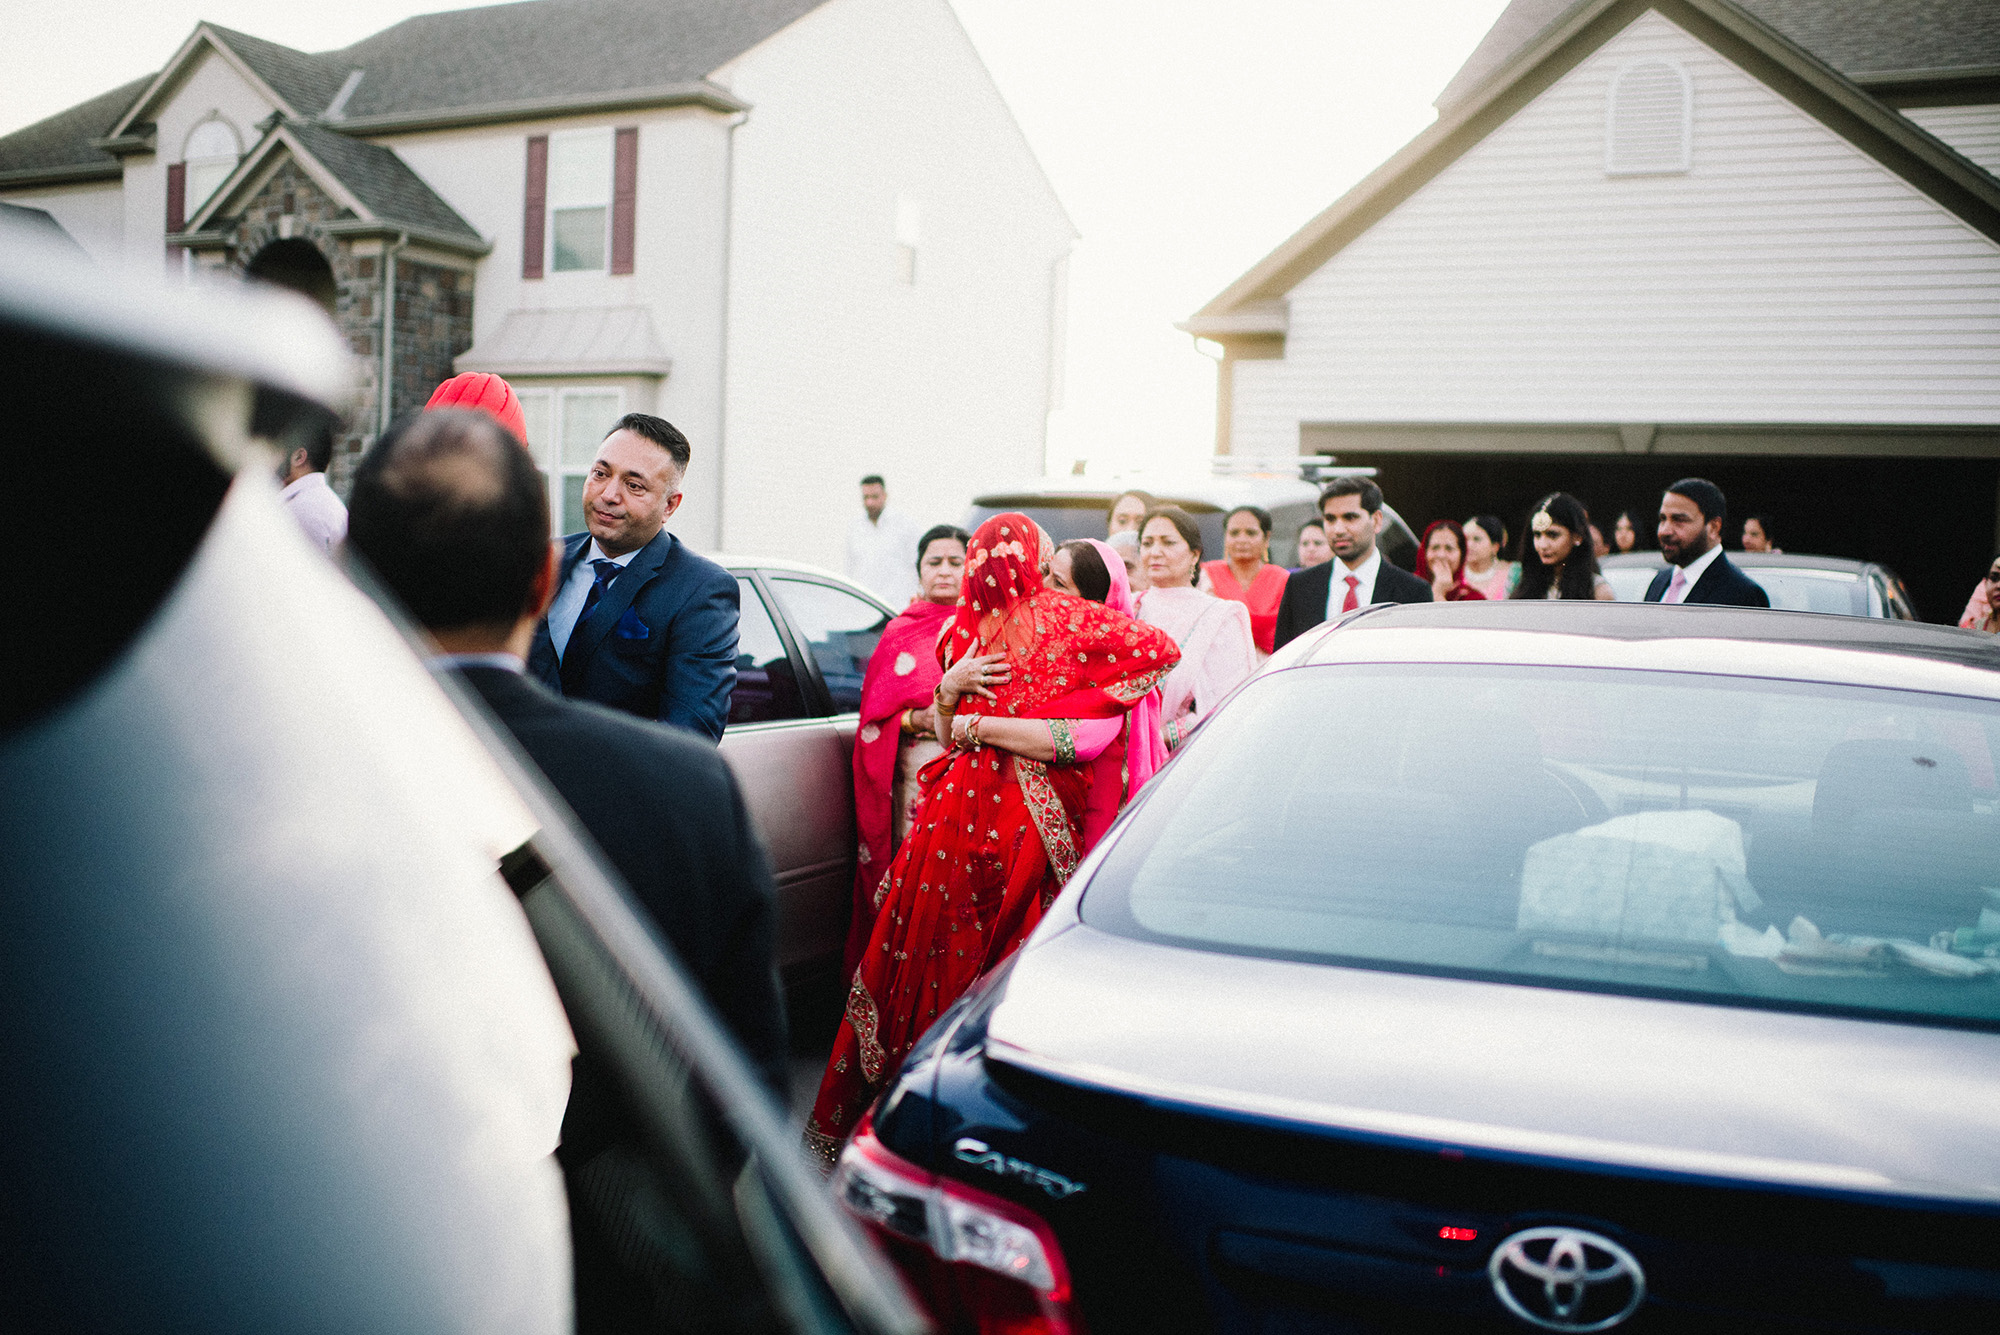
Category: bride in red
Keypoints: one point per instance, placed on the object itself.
(997, 833)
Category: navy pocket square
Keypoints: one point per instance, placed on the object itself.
(630, 627)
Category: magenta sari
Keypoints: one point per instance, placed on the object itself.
(902, 673)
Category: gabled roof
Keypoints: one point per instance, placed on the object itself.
(503, 62)
(1860, 38)
(373, 183)
(1252, 306)
(59, 147)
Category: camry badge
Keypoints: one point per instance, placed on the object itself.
(981, 1155)
(1566, 1279)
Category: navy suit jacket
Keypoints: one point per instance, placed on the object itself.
(1722, 583)
(661, 642)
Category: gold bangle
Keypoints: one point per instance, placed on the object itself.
(972, 732)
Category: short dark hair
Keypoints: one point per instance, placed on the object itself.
(661, 432)
(874, 480)
(1182, 521)
(449, 512)
(318, 446)
(1316, 521)
(1707, 497)
(1087, 570)
(938, 532)
(1145, 499)
(1256, 512)
(1761, 520)
(1364, 487)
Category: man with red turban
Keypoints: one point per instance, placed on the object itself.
(488, 394)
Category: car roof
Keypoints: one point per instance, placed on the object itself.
(1731, 640)
(736, 565)
(1750, 561)
(1202, 489)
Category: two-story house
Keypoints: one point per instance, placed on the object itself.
(1753, 239)
(809, 232)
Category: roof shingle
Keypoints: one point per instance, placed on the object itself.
(383, 181)
(63, 140)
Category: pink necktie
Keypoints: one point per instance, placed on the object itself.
(1353, 594)
(1677, 586)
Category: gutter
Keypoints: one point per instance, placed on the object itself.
(722, 362)
(699, 92)
(69, 173)
(456, 242)
(386, 404)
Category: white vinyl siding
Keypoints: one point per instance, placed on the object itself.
(1785, 277)
(1974, 131)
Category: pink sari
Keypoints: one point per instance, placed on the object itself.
(1122, 768)
(902, 673)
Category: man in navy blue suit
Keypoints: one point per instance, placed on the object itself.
(1691, 515)
(639, 622)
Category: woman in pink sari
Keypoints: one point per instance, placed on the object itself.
(1092, 570)
(997, 831)
(895, 738)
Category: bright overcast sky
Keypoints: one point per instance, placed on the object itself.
(1186, 138)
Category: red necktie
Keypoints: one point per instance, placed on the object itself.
(1353, 594)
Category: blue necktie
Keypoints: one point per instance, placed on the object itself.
(604, 570)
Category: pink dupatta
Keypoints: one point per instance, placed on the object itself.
(1144, 750)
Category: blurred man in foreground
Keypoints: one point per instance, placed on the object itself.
(451, 515)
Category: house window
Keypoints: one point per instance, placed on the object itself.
(579, 200)
(565, 427)
(1649, 124)
(211, 154)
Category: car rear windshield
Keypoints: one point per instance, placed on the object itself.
(1765, 842)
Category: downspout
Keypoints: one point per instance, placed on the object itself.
(387, 407)
(722, 360)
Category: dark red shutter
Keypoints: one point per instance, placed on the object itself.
(624, 198)
(177, 197)
(536, 215)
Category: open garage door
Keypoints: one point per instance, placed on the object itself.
(1932, 520)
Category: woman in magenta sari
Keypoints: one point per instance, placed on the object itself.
(997, 831)
(896, 738)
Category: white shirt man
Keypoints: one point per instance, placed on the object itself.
(882, 547)
(1687, 576)
(1363, 577)
(315, 508)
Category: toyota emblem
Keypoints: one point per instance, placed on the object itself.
(1566, 1279)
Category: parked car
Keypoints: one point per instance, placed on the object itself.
(1077, 507)
(295, 945)
(1795, 583)
(802, 649)
(1655, 975)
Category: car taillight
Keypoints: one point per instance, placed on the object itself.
(980, 1264)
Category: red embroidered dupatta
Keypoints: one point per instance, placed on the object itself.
(996, 834)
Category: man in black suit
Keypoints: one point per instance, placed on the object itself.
(1691, 515)
(638, 622)
(1357, 576)
(448, 510)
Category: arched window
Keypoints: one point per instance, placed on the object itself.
(1649, 128)
(211, 154)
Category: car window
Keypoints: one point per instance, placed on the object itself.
(1781, 842)
(1799, 589)
(838, 629)
(1631, 582)
(767, 688)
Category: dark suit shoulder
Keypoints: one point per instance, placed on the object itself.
(1393, 584)
(580, 731)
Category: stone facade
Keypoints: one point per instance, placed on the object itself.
(432, 310)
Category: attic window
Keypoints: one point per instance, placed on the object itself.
(1649, 128)
(211, 155)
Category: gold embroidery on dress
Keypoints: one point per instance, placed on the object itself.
(1045, 808)
(861, 1014)
(1064, 741)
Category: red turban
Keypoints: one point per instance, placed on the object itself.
(487, 393)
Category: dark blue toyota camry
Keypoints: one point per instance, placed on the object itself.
(1489, 968)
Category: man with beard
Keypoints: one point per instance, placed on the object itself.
(1691, 515)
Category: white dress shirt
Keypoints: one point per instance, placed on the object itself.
(1692, 573)
(568, 605)
(317, 510)
(882, 555)
(1364, 591)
